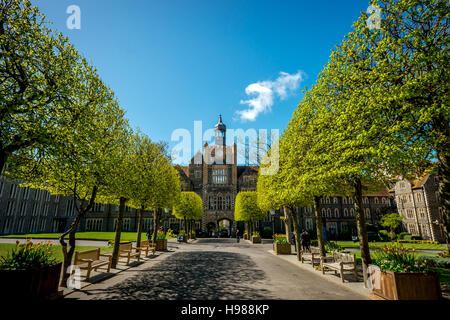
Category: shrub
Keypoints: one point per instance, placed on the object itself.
(333, 246)
(436, 261)
(402, 235)
(28, 256)
(384, 235)
(314, 243)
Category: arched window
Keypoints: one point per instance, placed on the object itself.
(376, 200)
(344, 200)
(352, 212)
(336, 213)
(323, 212)
(329, 213)
(335, 200)
(345, 212)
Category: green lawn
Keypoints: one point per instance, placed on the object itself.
(80, 235)
(416, 254)
(351, 244)
(7, 247)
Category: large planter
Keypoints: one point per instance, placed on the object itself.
(256, 239)
(41, 283)
(406, 286)
(282, 248)
(161, 245)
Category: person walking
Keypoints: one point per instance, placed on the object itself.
(293, 241)
(237, 236)
(303, 237)
(308, 241)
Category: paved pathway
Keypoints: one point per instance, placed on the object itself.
(216, 269)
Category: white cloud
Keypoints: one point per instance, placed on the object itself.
(265, 93)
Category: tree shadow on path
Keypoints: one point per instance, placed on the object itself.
(207, 275)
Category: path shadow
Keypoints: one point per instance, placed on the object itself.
(207, 275)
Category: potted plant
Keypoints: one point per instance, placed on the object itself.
(161, 241)
(183, 234)
(246, 235)
(398, 275)
(281, 244)
(30, 270)
(256, 238)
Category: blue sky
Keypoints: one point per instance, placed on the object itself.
(173, 62)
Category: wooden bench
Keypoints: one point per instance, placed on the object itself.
(145, 246)
(126, 251)
(90, 260)
(313, 256)
(340, 262)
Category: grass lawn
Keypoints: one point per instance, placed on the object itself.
(80, 235)
(372, 255)
(351, 244)
(5, 248)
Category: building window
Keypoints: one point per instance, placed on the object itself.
(7, 225)
(336, 213)
(352, 212)
(344, 200)
(367, 213)
(211, 203)
(383, 200)
(9, 208)
(45, 212)
(94, 224)
(23, 208)
(328, 213)
(409, 214)
(402, 185)
(345, 212)
(33, 225)
(13, 191)
(376, 200)
(220, 176)
(422, 213)
(26, 193)
(419, 197)
(70, 208)
(42, 227)
(335, 200)
(323, 212)
(365, 200)
(197, 173)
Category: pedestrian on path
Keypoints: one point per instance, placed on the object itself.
(237, 236)
(293, 241)
(149, 233)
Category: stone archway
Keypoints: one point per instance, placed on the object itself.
(225, 223)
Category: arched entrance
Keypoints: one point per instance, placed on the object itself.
(225, 227)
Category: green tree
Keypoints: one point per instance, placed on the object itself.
(78, 163)
(38, 76)
(391, 221)
(246, 209)
(188, 207)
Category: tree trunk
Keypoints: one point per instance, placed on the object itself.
(444, 193)
(156, 223)
(115, 254)
(139, 228)
(361, 227)
(68, 253)
(319, 226)
(294, 218)
(287, 224)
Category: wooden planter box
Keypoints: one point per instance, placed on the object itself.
(282, 248)
(408, 286)
(161, 245)
(256, 239)
(41, 283)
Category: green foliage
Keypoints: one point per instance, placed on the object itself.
(435, 261)
(160, 235)
(189, 206)
(267, 232)
(256, 234)
(28, 256)
(280, 238)
(396, 258)
(391, 221)
(384, 235)
(404, 235)
(246, 207)
(331, 246)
